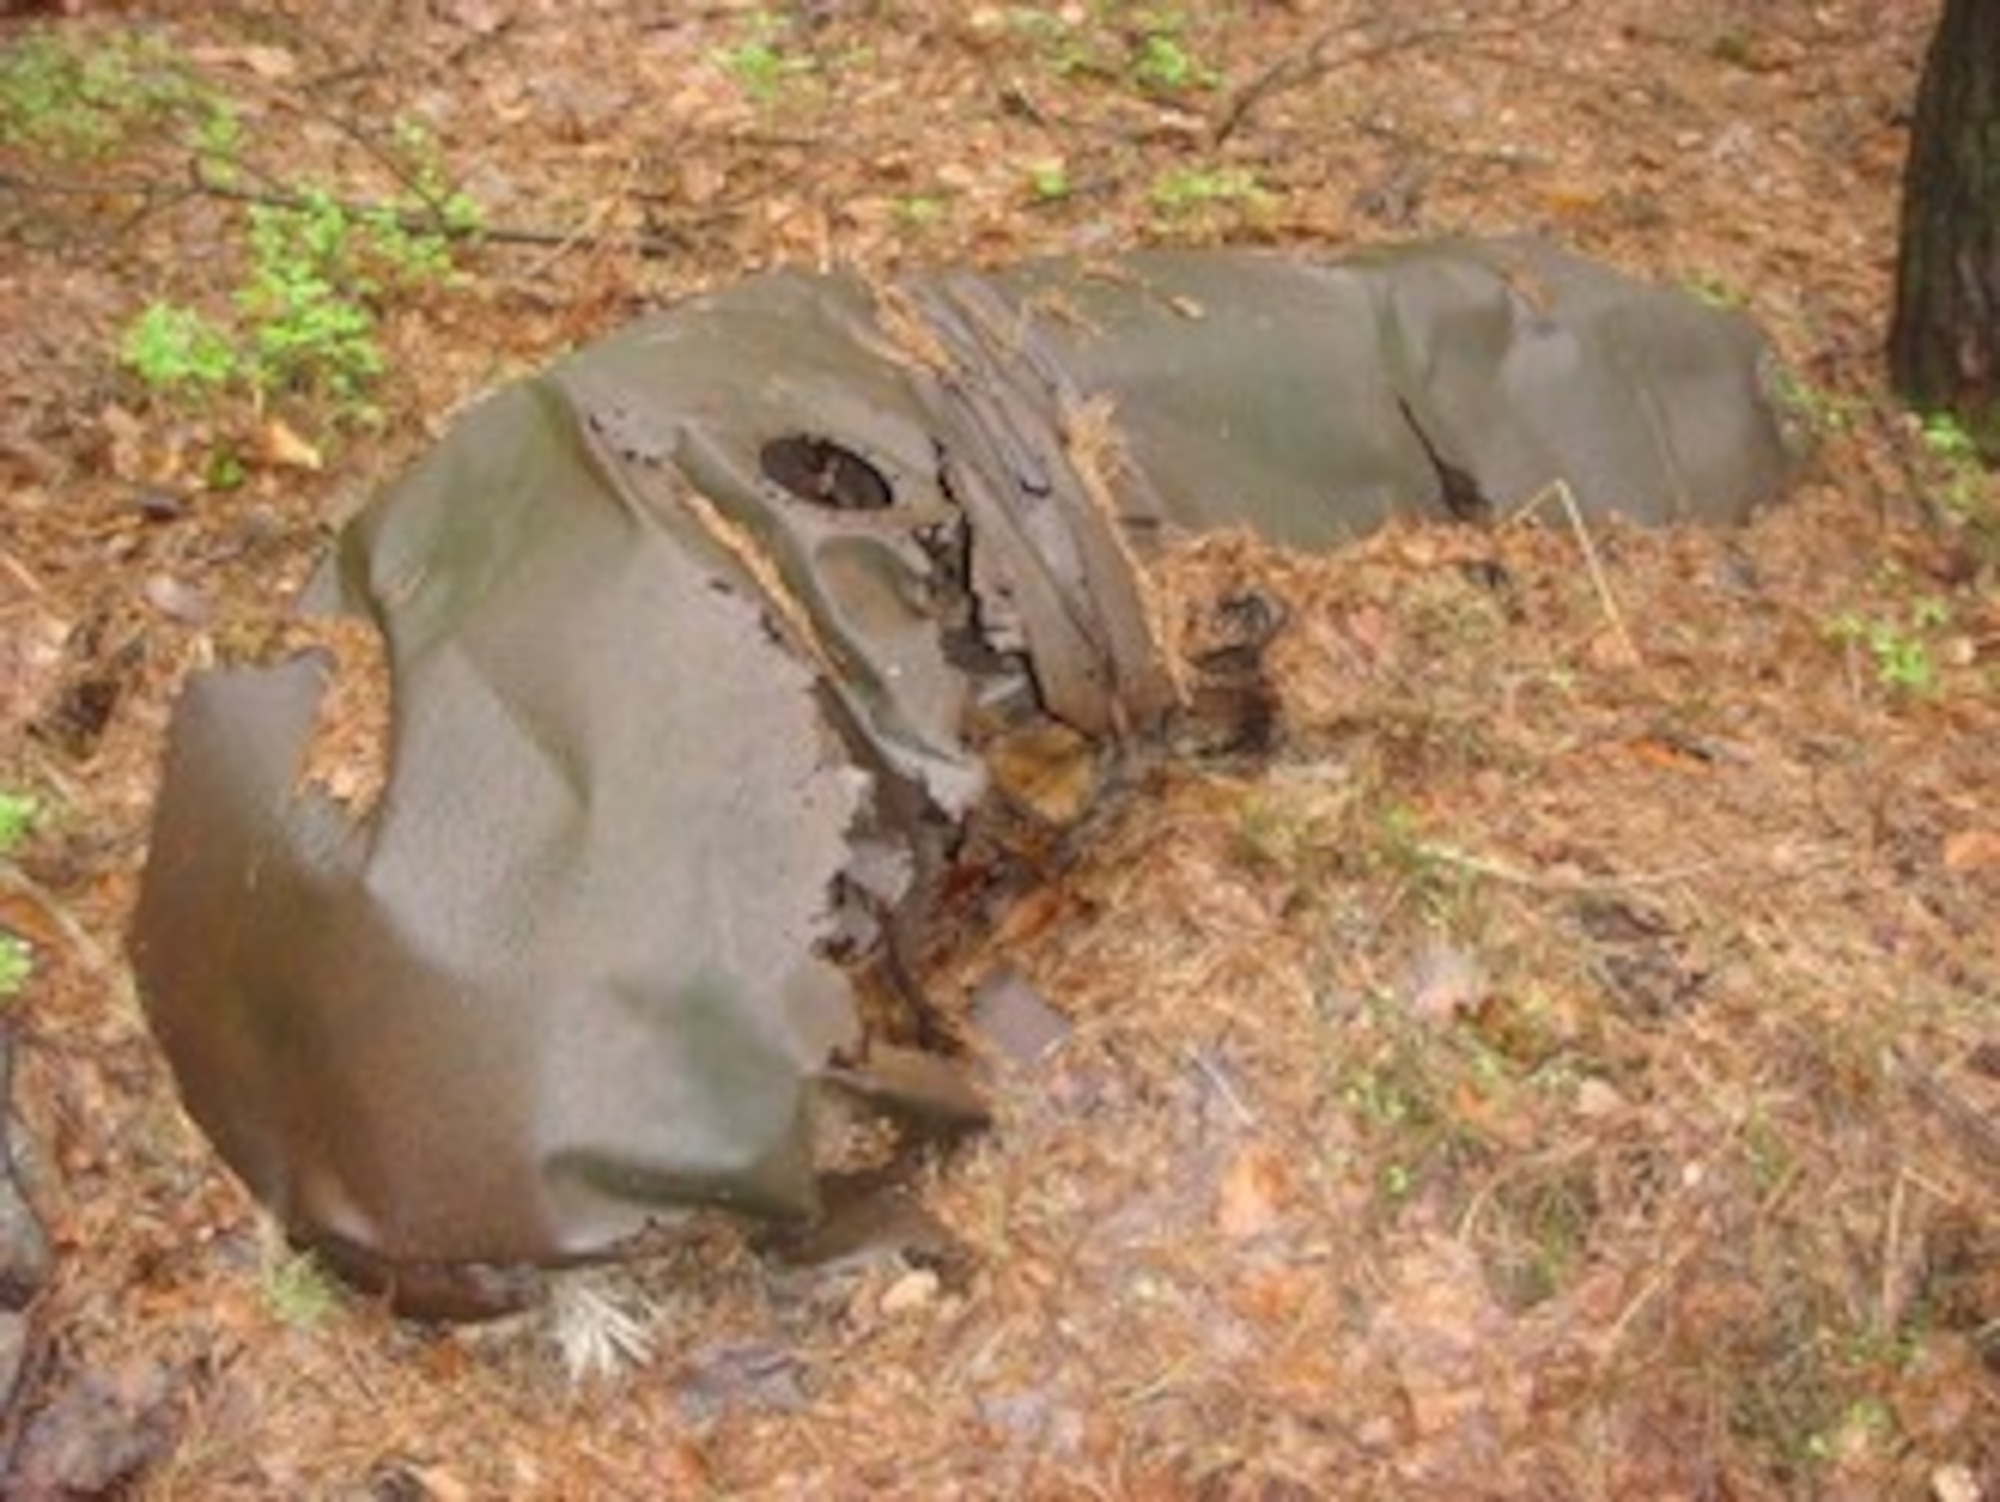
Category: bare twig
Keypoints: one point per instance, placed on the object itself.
(591, 233)
(1559, 491)
(411, 221)
(1979, 1132)
(1538, 881)
(1665, 1270)
(1314, 63)
(1287, 73)
(96, 959)
(1219, 1082)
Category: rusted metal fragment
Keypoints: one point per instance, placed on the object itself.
(720, 651)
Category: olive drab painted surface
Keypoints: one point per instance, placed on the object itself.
(696, 642)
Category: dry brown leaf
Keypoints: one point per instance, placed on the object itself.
(914, 1290)
(1660, 751)
(1272, 1296)
(280, 446)
(1971, 850)
(1253, 1194)
(702, 182)
(272, 64)
(482, 17)
(440, 1483)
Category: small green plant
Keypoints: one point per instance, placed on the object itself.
(218, 139)
(18, 815)
(1186, 190)
(414, 146)
(175, 349)
(1900, 649)
(1946, 437)
(74, 96)
(1902, 661)
(1430, 876)
(1161, 61)
(225, 470)
(1146, 50)
(308, 300)
(1963, 481)
(758, 61)
(1049, 181)
(306, 311)
(1868, 1423)
(298, 1291)
(922, 210)
(305, 314)
(1063, 45)
(1399, 1089)
(1716, 291)
(17, 965)
(1813, 408)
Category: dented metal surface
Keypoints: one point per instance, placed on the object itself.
(706, 648)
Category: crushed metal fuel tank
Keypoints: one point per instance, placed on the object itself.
(698, 655)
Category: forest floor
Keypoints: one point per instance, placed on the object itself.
(1568, 1067)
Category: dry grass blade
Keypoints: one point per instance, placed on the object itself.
(1560, 493)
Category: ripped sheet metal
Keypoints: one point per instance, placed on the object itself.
(698, 646)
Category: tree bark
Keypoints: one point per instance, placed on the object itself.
(1944, 342)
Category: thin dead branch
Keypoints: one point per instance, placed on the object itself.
(1316, 61)
(1978, 1132)
(1560, 492)
(410, 221)
(99, 961)
(1591, 886)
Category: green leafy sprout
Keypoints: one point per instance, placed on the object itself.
(1962, 479)
(306, 312)
(1945, 436)
(19, 813)
(1188, 189)
(1161, 62)
(1815, 409)
(174, 348)
(1716, 290)
(758, 61)
(1900, 649)
(308, 300)
(81, 98)
(1144, 49)
(923, 210)
(298, 1291)
(17, 965)
(1049, 181)
(304, 317)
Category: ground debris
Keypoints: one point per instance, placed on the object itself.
(101, 1431)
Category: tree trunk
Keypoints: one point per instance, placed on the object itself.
(1944, 343)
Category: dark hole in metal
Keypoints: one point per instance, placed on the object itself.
(816, 470)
